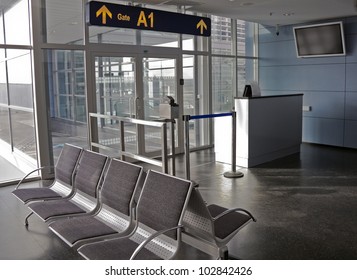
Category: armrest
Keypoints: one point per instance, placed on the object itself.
(150, 238)
(28, 174)
(233, 210)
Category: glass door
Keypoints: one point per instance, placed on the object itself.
(159, 82)
(115, 85)
(159, 77)
(115, 88)
(120, 92)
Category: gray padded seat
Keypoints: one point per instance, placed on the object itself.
(210, 227)
(160, 207)
(72, 230)
(62, 184)
(229, 223)
(47, 209)
(116, 195)
(30, 194)
(87, 178)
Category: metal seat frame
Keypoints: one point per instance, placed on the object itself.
(155, 241)
(120, 222)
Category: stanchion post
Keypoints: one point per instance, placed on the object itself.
(164, 152)
(186, 119)
(173, 153)
(234, 140)
(122, 139)
(234, 173)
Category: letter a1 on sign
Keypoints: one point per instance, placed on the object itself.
(121, 16)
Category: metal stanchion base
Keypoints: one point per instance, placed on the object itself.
(233, 174)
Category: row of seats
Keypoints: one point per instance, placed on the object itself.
(111, 209)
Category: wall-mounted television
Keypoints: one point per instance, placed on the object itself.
(320, 40)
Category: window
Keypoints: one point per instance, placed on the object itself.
(2, 35)
(20, 81)
(16, 85)
(5, 125)
(64, 24)
(223, 83)
(196, 97)
(66, 89)
(17, 28)
(109, 35)
(3, 78)
(23, 133)
(68, 85)
(232, 66)
(222, 40)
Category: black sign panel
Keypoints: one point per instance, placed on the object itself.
(115, 15)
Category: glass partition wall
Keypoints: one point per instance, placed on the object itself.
(66, 93)
(18, 145)
(73, 69)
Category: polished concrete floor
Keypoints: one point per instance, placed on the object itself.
(305, 204)
(9, 172)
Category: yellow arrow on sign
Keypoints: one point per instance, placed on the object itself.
(201, 24)
(104, 11)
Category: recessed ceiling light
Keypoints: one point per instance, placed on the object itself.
(246, 4)
(288, 14)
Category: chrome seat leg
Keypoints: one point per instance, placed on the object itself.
(223, 253)
(27, 219)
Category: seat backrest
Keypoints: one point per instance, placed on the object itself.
(162, 201)
(89, 172)
(66, 163)
(119, 185)
(139, 187)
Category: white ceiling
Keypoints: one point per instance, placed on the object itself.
(4, 4)
(269, 12)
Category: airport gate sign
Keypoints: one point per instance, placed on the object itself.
(121, 16)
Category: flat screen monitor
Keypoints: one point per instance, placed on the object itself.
(320, 40)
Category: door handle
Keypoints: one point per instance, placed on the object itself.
(137, 107)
